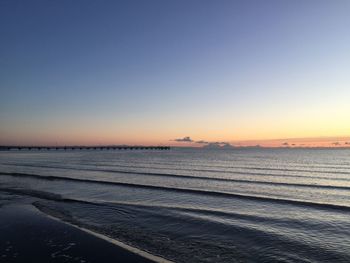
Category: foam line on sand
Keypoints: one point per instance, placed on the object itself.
(118, 243)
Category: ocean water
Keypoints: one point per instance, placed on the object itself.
(197, 205)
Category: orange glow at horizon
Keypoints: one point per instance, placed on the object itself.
(249, 132)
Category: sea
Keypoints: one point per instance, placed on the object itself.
(196, 205)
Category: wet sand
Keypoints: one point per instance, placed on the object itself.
(27, 235)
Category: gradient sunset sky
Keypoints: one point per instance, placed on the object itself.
(148, 72)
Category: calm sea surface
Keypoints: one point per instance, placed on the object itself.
(196, 205)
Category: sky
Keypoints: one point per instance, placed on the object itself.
(151, 72)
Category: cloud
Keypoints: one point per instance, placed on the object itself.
(220, 142)
(187, 139)
(336, 143)
(347, 143)
(201, 142)
(184, 139)
(219, 145)
(212, 143)
(285, 144)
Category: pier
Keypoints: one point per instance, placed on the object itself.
(72, 148)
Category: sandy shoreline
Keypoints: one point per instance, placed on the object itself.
(28, 235)
(120, 244)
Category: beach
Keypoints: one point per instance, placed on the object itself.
(27, 235)
(175, 131)
(182, 205)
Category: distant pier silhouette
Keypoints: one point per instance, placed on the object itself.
(66, 148)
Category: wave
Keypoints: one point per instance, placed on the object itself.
(239, 216)
(186, 190)
(331, 187)
(56, 197)
(256, 237)
(227, 167)
(180, 176)
(213, 178)
(251, 167)
(203, 211)
(188, 211)
(33, 193)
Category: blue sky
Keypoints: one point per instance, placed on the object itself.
(150, 71)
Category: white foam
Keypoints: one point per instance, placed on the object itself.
(117, 243)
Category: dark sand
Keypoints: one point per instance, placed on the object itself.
(27, 235)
